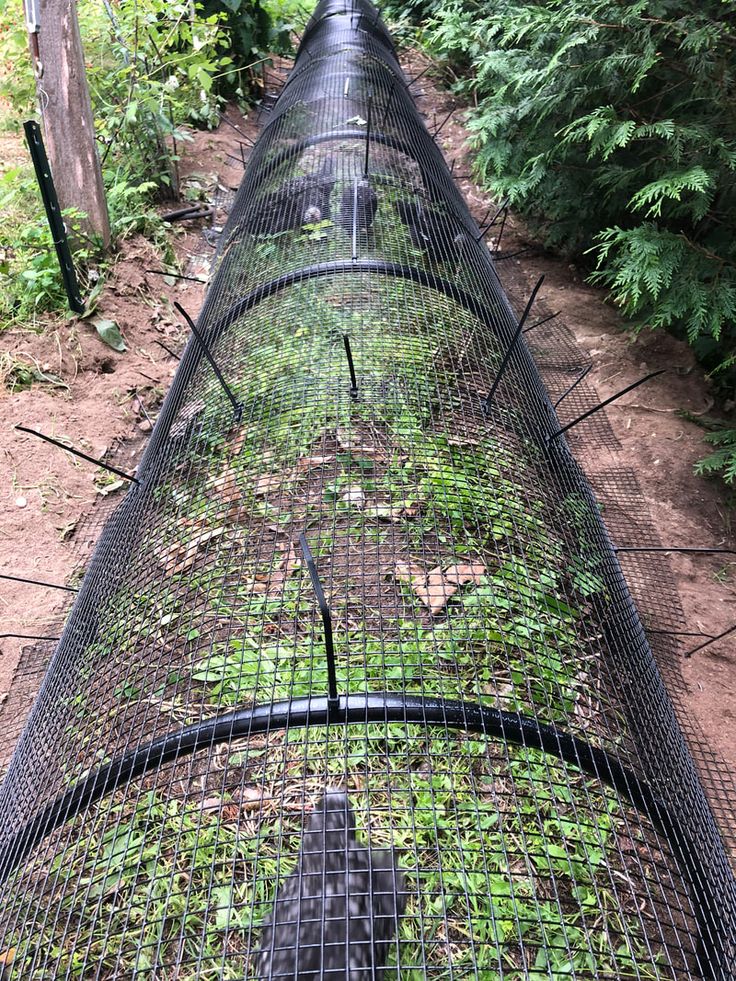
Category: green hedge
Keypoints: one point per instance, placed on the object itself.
(612, 128)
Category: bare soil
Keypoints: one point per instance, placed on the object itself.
(47, 497)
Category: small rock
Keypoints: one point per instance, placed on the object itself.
(145, 426)
(21, 502)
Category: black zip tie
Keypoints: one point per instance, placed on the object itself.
(168, 350)
(481, 223)
(442, 125)
(351, 367)
(163, 272)
(570, 388)
(82, 456)
(25, 637)
(242, 153)
(38, 582)
(512, 345)
(53, 214)
(232, 125)
(368, 135)
(604, 403)
(500, 256)
(544, 320)
(355, 222)
(324, 609)
(485, 228)
(388, 104)
(707, 643)
(237, 160)
(237, 407)
(674, 548)
(503, 227)
(420, 75)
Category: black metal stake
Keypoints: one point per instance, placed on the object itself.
(602, 405)
(368, 135)
(351, 367)
(82, 456)
(237, 407)
(707, 643)
(38, 582)
(324, 609)
(512, 345)
(53, 214)
(574, 385)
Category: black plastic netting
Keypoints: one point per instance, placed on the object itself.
(354, 686)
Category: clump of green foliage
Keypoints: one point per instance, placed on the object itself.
(152, 68)
(610, 126)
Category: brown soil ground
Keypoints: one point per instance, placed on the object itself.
(46, 531)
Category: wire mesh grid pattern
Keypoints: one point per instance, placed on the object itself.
(648, 574)
(354, 686)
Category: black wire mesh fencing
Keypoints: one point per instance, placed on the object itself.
(354, 686)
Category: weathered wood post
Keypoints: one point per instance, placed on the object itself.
(66, 112)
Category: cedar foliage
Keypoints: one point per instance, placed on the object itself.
(612, 128)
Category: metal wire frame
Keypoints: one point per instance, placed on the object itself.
(465, 565)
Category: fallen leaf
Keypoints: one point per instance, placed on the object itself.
(109, 333)
(435, 588)
(226, 486)
(392, 512)
(267, 483)
(307, 462)
(229, 814)
(350, 442)
(184, 554)
(105, 489)
(238, 443)
(211, 803)
(435, 592)
(272, 582)
(463, 573)
(408, 572)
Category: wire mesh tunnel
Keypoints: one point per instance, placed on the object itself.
(354, 686)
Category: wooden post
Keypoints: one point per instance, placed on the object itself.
(66, 113)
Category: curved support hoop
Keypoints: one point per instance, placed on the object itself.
(376, 266)
(382, 707)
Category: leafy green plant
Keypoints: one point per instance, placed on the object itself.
(610, 126)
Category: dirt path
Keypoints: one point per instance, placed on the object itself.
(45, 495)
